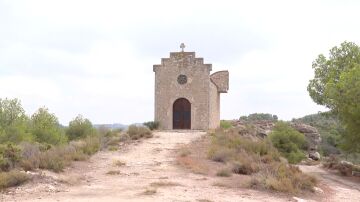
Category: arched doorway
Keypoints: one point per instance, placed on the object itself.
(182, 114)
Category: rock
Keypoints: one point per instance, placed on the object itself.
(314, 156)
(318, 190)
(299, 199)
(345, 168)
(313, 138)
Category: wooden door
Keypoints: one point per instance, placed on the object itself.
(182, 114)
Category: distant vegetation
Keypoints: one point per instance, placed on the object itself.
(259, 117)
(39, 141)
(152, 125)
(224, 124)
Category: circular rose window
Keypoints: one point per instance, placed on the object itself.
(182, 79)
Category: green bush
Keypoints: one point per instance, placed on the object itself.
(137, 132)
(46, 128)
(225, 124)
(79, 128)
(288, 141)
(152, 125)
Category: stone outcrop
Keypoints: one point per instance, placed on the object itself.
(313, 138)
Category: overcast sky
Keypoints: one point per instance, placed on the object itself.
(95, 58)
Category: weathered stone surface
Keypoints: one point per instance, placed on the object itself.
(202, 93)
(312, 136)
(315, 156)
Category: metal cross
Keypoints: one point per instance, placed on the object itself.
(182, 46)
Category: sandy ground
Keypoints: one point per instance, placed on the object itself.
(147, 162)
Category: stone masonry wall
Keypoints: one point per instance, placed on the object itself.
(196, 90)
(214, 119)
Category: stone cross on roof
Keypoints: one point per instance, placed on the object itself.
(182, 46)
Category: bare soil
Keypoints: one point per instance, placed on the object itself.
(151, 173)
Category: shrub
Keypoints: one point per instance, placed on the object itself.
(220, 154)
(91, 146)
(245, 166)
(30, 156)
(225, 124)
(284, 178)
(223, 173)
(79, 128)
(152, 125)
(46, 128)
(288, 141)
(12, 178)
(9, 156)
(137, 132)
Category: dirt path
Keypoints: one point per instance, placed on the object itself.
(337, 188)
(150, 161)
(150, 174)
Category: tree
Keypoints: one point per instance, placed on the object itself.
(46, 127)
(14, 124)
(336, 86)
(80, 127)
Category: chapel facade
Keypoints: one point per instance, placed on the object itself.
(187, 96)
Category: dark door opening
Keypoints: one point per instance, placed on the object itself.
(182, 114)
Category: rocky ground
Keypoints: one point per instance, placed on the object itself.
(150, 173)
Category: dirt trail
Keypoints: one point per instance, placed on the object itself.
(149, 161)
(337, 188)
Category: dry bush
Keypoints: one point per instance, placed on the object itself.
(164, 184)
(192, 164)
(113, 172)
(183, 152)
(30, 154)
(118, 163)
(284, 178)
(137, 132)
(12, 178)
(259, 159)
(224, 173)
(149, 191)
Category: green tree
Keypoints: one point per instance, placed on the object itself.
(14, 124)
(80, 127)
(336, 86)
(46, 127)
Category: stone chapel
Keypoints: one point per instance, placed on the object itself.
(187, 96)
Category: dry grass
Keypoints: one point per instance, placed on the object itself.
(203, 200)
(119, 163)
(194, 165)
(137, 132)
(164, 184)
(149, 191)
(12, 178)
(184, 151)
(113, 172)
(223, 173)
